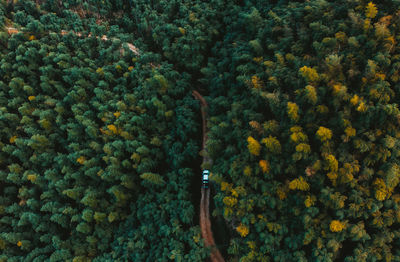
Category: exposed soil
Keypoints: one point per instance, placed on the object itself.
(205, 223)
(134, 49)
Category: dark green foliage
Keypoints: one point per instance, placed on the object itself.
(83, 125)
(321, 196)
(99, 144)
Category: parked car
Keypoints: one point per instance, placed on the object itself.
(205, 178)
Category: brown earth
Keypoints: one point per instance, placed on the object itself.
(205, 223)
(134, 49)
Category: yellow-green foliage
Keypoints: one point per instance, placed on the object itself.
(256, 82)
(299, 184)
(230, 201)
(310, 74)
(152, 178)
(324, 133)
(253, 146)
(332, 163)
(100, 137)
(302, 147)
(311, 94)
(310, 201)
(242, 230)
(272, 144)
(336, 226)
(292, 110)
(371, 10)
(297, 135)
(329, 130)
(350, 131)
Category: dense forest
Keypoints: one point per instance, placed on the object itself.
(101, 137)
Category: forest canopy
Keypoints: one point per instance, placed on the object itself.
(101, 138)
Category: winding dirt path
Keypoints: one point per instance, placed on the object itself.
(131, 47)
(205, 223)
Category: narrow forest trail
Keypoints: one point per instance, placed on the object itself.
(205, 223)
(134, 49)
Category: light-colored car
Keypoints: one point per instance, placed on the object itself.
(206, 173)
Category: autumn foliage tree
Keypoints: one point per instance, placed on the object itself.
(100, 136)
(314, 136)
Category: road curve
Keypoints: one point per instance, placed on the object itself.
(205, 223)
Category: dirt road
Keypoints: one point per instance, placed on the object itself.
(131, 47)
(205, 223)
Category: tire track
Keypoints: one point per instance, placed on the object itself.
(205, 223)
